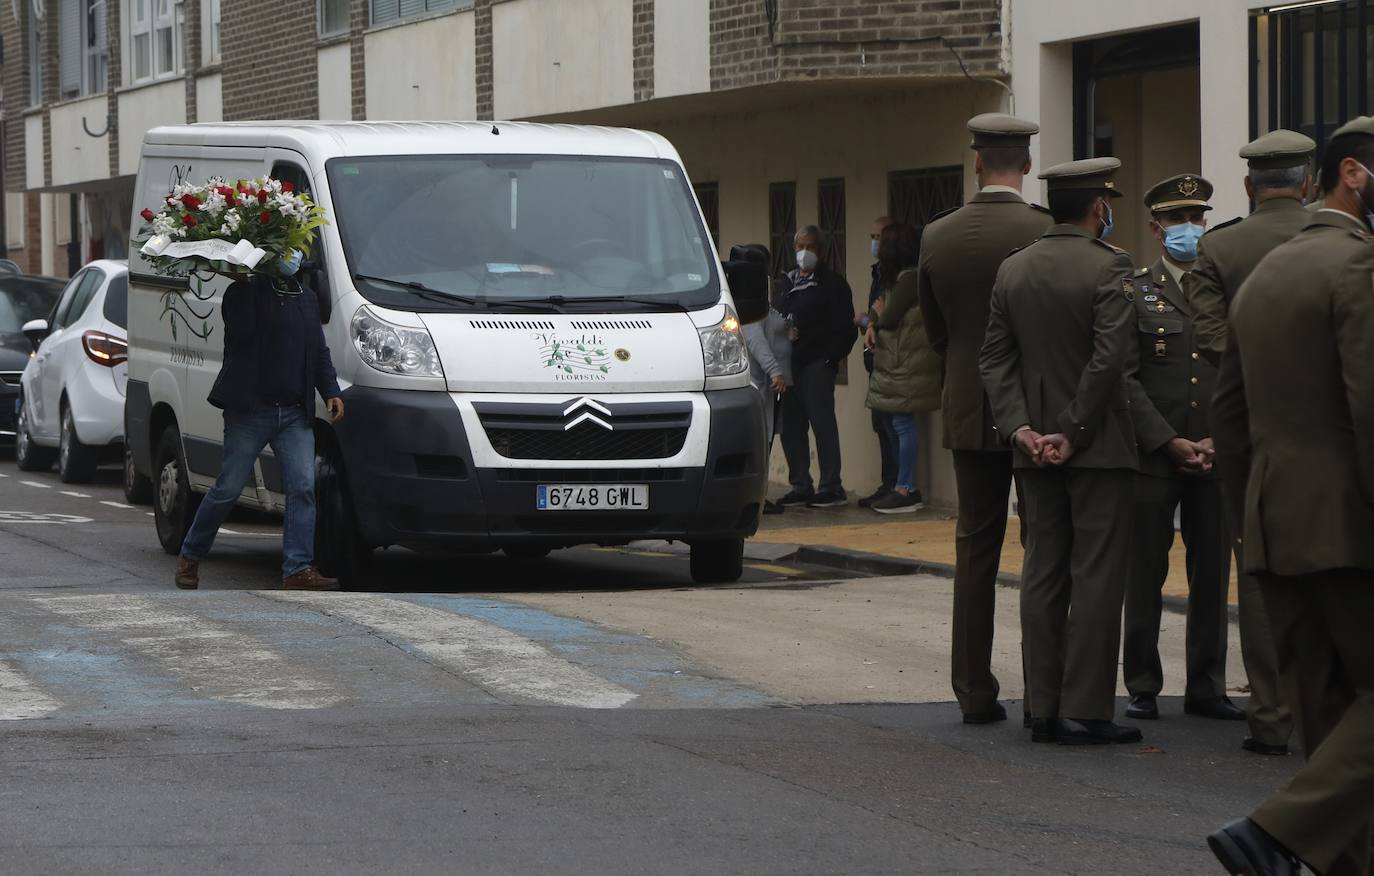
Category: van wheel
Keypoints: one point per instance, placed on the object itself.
(718, 562)
(526, 551)
(75, 461)
(174, 505)
(28, 454)
(138, 489)
(339, 548)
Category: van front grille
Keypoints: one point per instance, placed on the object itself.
(588, 441)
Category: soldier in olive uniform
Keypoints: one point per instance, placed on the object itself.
(1277, 181)
(1295, 405)
(1060, 332)
(960, 254)
(1171, 387)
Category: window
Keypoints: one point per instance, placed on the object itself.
(90, 282)
(782, 224)
(117, 301)
(830, 218)
(35, 52)
(333, 15)
(708, 196)
(914, 197)
(213, 31)
(384, 11)
(155, 38)
(81, 48)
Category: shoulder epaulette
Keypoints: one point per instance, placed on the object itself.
(1108, 245)
(943, 213)
(1045, 210)
(1142, 272)
(1227, 224)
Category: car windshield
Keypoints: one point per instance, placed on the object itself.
(25, 298)
(521, 232)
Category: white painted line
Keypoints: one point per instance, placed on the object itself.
(223, 531)
(212, 659)
(498, 660)
(36, 484)
(117, 505)
(19, 698)
(74, 494)
(4, 475)
(150, 514)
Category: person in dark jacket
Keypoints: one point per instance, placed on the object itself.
(275, 360)
(818, 306)
(887, 453)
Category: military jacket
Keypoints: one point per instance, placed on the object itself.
(1294, 411)
(1172, 384)
(1060, 333)
(1226, 256)
(960, 254)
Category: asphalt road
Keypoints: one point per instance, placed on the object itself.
(592, 713)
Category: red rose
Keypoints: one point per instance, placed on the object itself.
(227, 192)
(188, 219)
(287, 187)
(264, 217)
(190, 202)
(148, 215)
(262, 197)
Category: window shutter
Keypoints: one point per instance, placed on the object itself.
(69, 48)
(411, 8)
(385, 10)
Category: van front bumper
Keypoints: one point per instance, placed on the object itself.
(413, 481)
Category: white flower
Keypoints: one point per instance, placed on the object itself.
(163, 224)
(215, 203)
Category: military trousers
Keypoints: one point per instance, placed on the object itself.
(1206, 537)
(1321, 624)
(1267, 710)
(984, 479)
(1078, 543)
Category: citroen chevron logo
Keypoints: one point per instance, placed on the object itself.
(589, 408)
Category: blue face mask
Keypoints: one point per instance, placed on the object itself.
(873, 248)
(1180, 241)
(1107, 229)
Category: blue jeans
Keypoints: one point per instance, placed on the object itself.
(901, 430)
(288, 430)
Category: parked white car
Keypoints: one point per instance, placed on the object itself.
(74, 386)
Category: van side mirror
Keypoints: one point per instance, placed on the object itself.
(36, 330)
(746, 272)
(318, 280)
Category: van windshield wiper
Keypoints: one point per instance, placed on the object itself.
(656, 303)
(425, 291)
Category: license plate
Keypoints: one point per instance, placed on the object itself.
(592, 497)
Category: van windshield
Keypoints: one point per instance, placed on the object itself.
(521, 232)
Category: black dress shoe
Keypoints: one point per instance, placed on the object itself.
(1250, 743)
(1217, 708)
(1242, 847)
(1143, 707)
(771, 507)
(1044, 729)
(1026, 720)
(795, 497)
(1087, 731)
(988, 716)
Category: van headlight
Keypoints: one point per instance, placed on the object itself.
(395, 349)
(722, 347)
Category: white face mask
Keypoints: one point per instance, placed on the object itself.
(806, 260)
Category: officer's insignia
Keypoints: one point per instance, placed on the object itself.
(1128, 288)
(1188, 187)
(1150, 298)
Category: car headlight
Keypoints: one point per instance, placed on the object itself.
(722, 347)
(395, 349)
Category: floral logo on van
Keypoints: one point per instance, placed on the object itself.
(185, 305)
(583, 358)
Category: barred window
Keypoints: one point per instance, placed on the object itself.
(830, 218)
(782, 224)
(914, 197)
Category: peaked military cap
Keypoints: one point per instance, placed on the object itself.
(1184, 190)
(1087, 173)
(1358, 125)
(1281, 148)
(999, 129)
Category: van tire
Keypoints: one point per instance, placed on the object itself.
(76, 462)
(340, 551)
(174, 504)
(138, 489)
(29, 455)
(718, 562)
(526, 551)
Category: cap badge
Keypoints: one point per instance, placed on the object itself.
(1188, 187)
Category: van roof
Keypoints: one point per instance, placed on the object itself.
(325, 140)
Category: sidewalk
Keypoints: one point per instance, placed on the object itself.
(926, 537)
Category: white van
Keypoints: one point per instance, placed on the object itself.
(533, 331)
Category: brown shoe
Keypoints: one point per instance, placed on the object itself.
(188, 573)
(309, 578)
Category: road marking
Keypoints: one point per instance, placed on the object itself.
(19, 698)
(40, 486)
(74, 494)
(117, 505)
(772, 569)
(215, 661)
(223, 531)
(4, 475)
(36, 517)
(502, 662)
(150, 514)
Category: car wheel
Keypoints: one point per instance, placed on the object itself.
(340, 551)
(718, 562)
(138, 489)
(526, 551)
(174, 505)
(76, 462)
(28, 454)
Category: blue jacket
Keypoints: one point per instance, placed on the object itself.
(245, 324)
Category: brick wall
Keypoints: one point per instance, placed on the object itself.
(268, 49)
(643, 58)
(852, 39)
(114, 64)
(16, 90)
(483, 58)
(190, 53)
(358, 17)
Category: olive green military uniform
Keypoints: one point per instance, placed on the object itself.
(1294, 414)
(960, 254)
(1227, 255)
(1172, 397)
(1058, 337)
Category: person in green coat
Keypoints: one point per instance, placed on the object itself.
(906, 371)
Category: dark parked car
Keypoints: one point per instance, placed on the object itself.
(22, 298)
